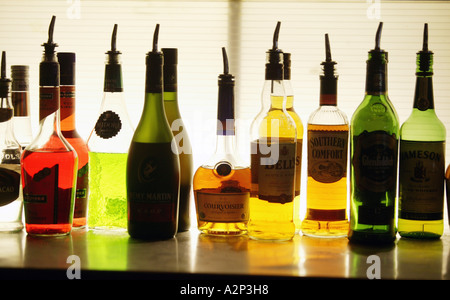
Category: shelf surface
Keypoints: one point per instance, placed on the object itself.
(190, 254)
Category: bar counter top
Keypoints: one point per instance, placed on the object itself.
(113, 254)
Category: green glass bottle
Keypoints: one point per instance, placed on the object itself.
(180, 133)
(153, 167)
(422, 159)
(374, 153)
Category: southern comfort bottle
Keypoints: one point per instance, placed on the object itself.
(222, 184)
(49, 163)
(422, 159)
(327, 140)
(374, 155)
(273, 153)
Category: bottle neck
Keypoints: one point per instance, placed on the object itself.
(423, 96)
(328, 91)
(67, 107)
(376, 73)
(225, 110)
(113, 78)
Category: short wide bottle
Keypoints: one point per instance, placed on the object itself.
(153, 167)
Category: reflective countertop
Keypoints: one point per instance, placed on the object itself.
(190, 254)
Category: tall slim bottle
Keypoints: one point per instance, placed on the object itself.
(180, 134)
(153, 167)
(20, 96)
(422, 159)
(273, 153)
(11, 200)
(108, 146)
(299, 125)
(49, 163)
(326, 213)
(68, 128)
(374, 155)
(222, 183)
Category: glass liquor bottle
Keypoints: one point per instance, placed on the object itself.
(422, 159)
(153, 167)
(299, 125)
(222, 184)
(273, 152)
(49, 163)
(374, 132)
(11, 200)
(68, 128)
(326, 191)
(108, 146)
(20, 97)
(180, 133)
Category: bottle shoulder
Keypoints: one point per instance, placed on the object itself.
(424, 126)
(328, 115)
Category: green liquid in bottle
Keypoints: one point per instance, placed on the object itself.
(108, 199)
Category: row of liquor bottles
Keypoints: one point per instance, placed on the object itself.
(141, 179)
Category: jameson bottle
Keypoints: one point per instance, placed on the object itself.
(180, 134)
(422, 159)
(68, 128)
(153, 167)
(108, 150)
(20, 96)
(374, 154)
(222, 184)
(49, 163)
(11, 200)
(273, 155)
(327, 145)
(299, 125)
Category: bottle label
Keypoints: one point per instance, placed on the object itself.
(48, 101)
(222, 207)
(108, 125)
(273, 172)
(421, 180)
(82, 192)
(152, 182)
(67, 101)
(375, 161)
(9, 183)
(327, 155)
(45, 202)
(298, 167)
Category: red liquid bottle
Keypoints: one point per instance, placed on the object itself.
(68, 129)
(49, 163)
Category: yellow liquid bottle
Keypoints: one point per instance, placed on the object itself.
(273, 154)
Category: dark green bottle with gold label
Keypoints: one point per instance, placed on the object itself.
(422, 159)
(374, 154)
(153, 167)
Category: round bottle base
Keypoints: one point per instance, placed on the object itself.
(325, 229)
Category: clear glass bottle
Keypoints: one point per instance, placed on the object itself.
(374, 130)
(180, 134)
(299, 125)
(49, 163)
(326, 189)
(69, 131)
(273, 152)
(20, 96)
(108, 145)
(153, 166)
(422, 159)
(222, 184)
(11, 200)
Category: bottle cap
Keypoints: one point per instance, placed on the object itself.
(225, 111)
(287, 65)
(274, 58)
(329, 78)
(19, 77)
(5, 82)
(425, 56)
(154, 70)
(67, 67)
(377, 66)
(49, 67)
(113, 68)
(170, 69)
